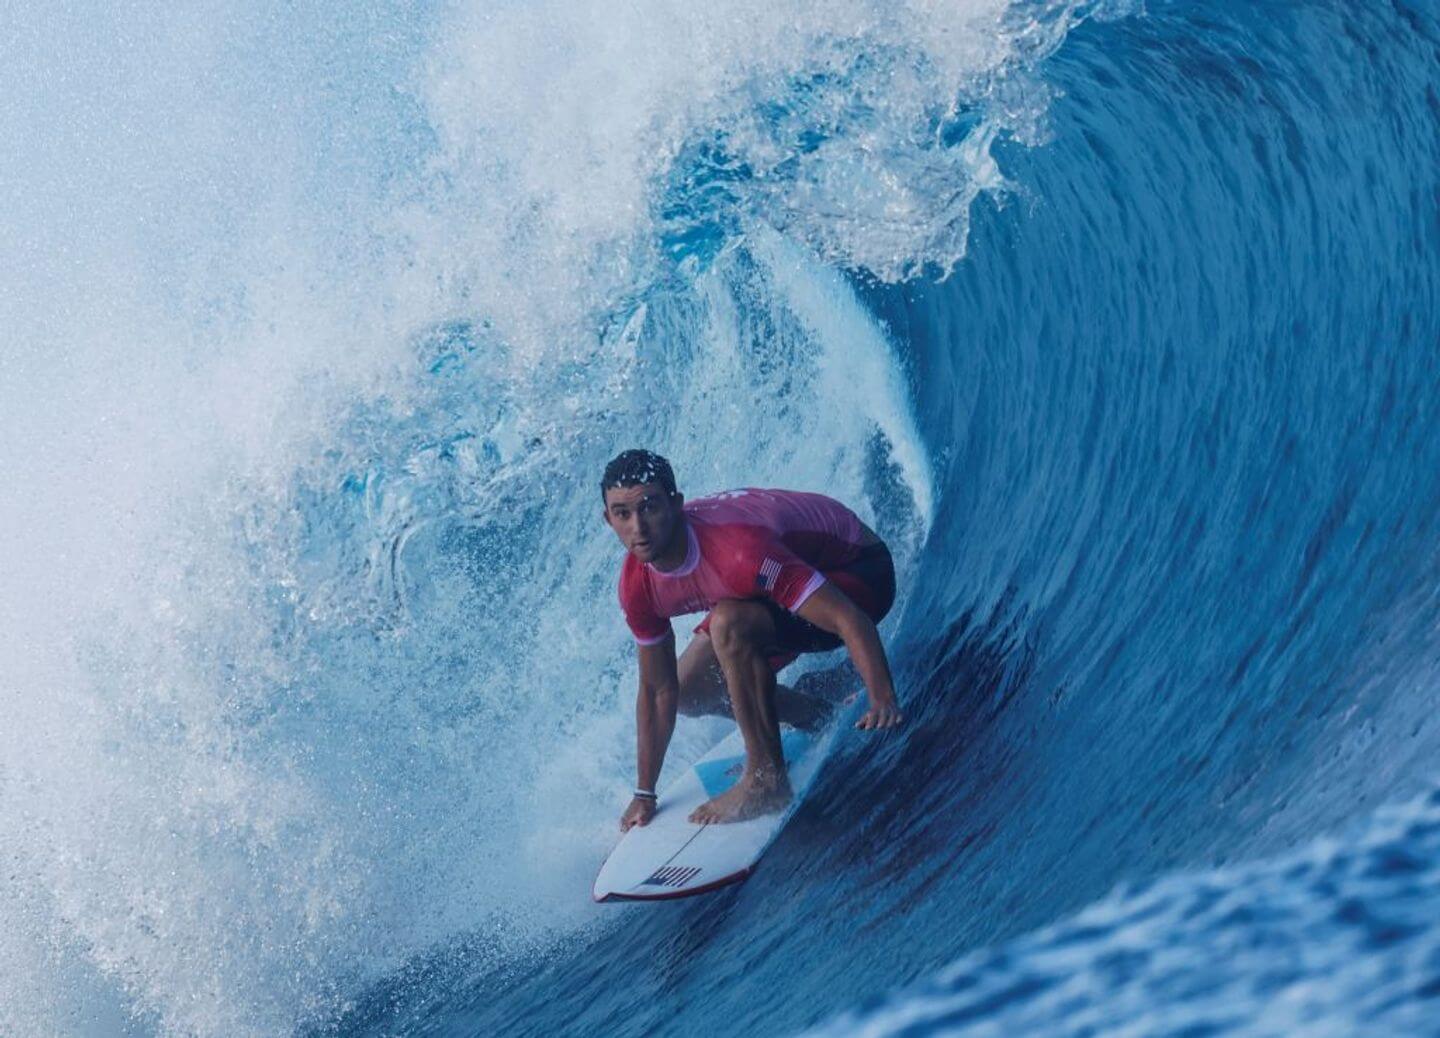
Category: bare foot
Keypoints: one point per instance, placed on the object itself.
(748, 798)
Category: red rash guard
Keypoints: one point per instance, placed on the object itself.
(775, 544)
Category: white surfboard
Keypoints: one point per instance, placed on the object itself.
(672, 857)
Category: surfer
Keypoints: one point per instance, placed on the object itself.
(781, 573)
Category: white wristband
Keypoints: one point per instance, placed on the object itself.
(645, 794)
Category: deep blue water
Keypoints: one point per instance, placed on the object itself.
(1119, 321)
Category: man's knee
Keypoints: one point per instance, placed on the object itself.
(736, 624)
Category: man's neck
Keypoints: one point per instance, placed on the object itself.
(679, 548)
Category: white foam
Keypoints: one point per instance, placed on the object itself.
(558, 122)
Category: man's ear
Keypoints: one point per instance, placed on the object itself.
(679, 499)
(605, 514)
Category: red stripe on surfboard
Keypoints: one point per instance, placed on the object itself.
(671, 895)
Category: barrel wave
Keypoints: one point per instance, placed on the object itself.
(1118, 321)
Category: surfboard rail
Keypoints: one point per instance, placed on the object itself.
(674, 895)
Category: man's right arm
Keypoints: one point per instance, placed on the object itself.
(655, 709)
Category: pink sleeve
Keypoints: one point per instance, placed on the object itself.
(765, 566)
(647, 625)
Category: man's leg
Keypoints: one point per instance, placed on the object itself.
(702, 682)
(739, 633)
(703, 692)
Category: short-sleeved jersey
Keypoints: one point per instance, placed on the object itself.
(747, 543)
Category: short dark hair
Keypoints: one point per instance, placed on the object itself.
(633, 467)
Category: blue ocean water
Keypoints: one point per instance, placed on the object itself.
(1118, 320)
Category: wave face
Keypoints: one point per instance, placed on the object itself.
(1117, 322)
(1338, 939)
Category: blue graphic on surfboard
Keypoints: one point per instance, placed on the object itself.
(672, 857)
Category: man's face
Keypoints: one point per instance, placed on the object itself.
(645, 518)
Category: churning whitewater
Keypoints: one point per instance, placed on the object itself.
(1116, 320)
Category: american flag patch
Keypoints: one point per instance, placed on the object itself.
(769, 573)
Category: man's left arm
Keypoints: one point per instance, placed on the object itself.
(831, 610)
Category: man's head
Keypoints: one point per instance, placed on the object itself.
(643, 507)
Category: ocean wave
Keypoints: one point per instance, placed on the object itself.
(1115, 321)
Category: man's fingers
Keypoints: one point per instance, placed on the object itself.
(880, 717)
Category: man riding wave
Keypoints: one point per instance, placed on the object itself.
(781, 573)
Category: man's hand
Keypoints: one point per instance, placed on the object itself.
(884, 714)
(830, 610)
(640, 811)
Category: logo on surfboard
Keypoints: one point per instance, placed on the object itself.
(672, 876)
